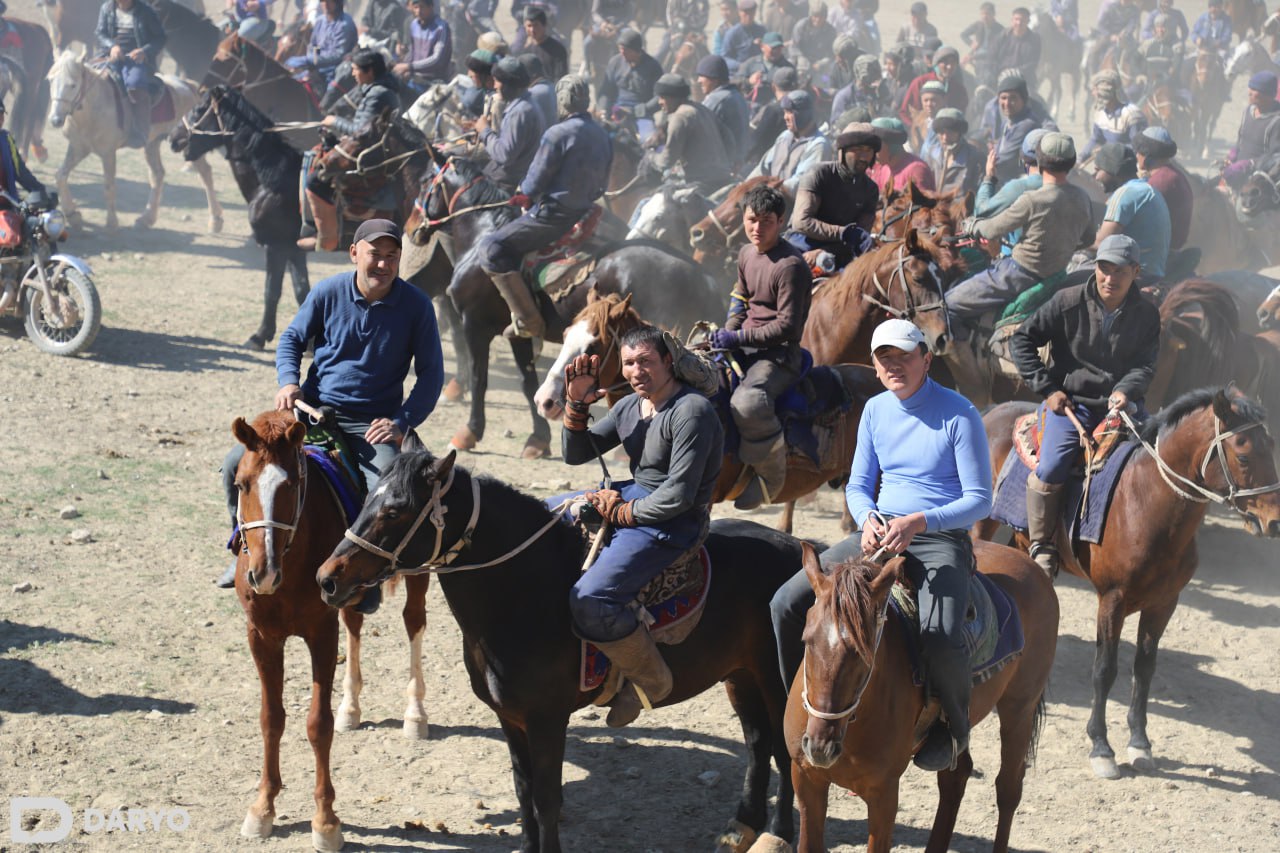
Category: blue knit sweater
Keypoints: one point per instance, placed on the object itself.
(363, 350)
(928, 453)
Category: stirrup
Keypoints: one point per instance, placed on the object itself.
(1046, 557)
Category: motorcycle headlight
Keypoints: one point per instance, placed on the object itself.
(54, 224)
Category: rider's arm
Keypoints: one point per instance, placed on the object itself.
(973, 466)
(435, 65)
(1025, 343)
(582, 446)
(545, 165)
(864, 474)
(1014, 217)
(1135, 382)
(696, 453)
(793, 283)
(105, 32)
(26, 180)
(307, 325)
(805, 216)
(428, 365)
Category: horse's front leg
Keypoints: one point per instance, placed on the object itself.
(1151, 625)
(352, 678)
(951, 785)
(326, 829)
(109, 189)
(415, 625)
(1110, 623)
(74, 156)
(882, 814)
(546, 754)
(477, 343)
(811, 790)
(538, 444)
(155, 175)
(786, 521)
(210, 194)
(268, 656)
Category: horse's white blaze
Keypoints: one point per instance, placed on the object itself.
(379, 491)
(269, 482)
(1274, 294)
(649, 218)
(577, 338)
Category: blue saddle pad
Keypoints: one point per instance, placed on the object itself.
(1010, 503)
(992, 630)
(341, 484)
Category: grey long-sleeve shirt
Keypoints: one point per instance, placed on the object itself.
(675, 455)
(1055, 220)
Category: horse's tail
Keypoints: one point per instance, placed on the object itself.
(1037, 726)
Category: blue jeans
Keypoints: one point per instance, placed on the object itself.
(1060, 443)
(134, 75)
(599, 601)
(938, 566)
(372, 459)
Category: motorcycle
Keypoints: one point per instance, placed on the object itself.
(52, 292)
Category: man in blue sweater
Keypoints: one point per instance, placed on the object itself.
(926, 447)
(366, 328)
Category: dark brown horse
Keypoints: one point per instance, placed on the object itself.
(603, 322)
(286, 530)
(30, 109)
(506, 567)
(269, 86)
(854, 651)
(1205, 446)
(718, 237)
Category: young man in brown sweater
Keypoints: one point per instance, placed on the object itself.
(769, 307)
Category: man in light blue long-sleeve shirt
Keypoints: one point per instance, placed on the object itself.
(921, 477)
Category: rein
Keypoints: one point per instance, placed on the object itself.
(450, 213)
(1203, 494)
(726, 233)
(899, 275)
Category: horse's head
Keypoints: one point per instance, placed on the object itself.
(202, 129)
(271, 479)
(409, 507)
(720, 231)
(1269, 310)
(1257, 195)
(595, 331)
(66, 86)
(905, 279)
(1244, 58)
(665, 215)
(842, 634)
(450, 188)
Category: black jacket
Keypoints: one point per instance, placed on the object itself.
(147, 30)
(1082, 362)
(375, 97)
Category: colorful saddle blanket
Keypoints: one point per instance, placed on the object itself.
(992, 628)
(671, 605)
(556, 268)
(339, 480)
(1028, 432)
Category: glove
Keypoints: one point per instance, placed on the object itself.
(612, 508)
(857, 238)
(726, 339)
(581, 389)
(522, 201)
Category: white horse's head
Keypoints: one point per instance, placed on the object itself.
(1243, 57)
(66, 85)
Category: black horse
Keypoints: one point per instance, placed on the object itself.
(266, 168)
(519, 647)
(190, 38)
(669, 289)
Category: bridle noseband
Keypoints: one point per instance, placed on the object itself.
(911, 309)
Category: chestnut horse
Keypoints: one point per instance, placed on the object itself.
(1205, 446)
(836, 738)
(718, 237)
(286, 530)
(506, 567)
(602, 323)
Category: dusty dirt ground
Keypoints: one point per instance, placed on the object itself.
(125, 679)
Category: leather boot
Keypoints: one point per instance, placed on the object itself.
(526, 319)
(1044, 506)
(139, 119)
(640, 662)
(228, 578)
(950, 681)
(769, 473)
(328, 229)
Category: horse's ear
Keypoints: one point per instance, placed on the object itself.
(621, 309)
(813, 568)
(295, 433)
(890, 573)
(918, 197)
(84, 52)
(444, 465)
(245, 434)
(412, 443)
(439, 156)
(1222, 404)
(912, 241)
(593, 293)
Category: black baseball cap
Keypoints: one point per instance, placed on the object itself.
(372, 229)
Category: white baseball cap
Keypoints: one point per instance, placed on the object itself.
(902, 334)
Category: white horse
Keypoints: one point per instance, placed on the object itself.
(85, 101)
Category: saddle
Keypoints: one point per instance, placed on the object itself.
(160, 90)
(556, 269)
(992, 629)
(670, 606)
(324, 439)
(1028, 431)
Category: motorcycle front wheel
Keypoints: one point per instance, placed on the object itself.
(71, 320)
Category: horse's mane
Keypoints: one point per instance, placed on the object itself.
(1214, 336)
(1193, 401)
(852, 605)
(596, 312)
(272, 425)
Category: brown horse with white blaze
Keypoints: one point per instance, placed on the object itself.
(1205, 446)
(288, 525)
(854, 651)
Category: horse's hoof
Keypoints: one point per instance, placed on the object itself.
(257, 826)
(326, 839)
(536, 448)
(1141, 760)
(416, 729)
(144, 222)
(464, 439)
(215, 225)
(770, 843)
(736, 838)
(346, 721)
(453, 392)
(1104, 767)
(39, 152)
